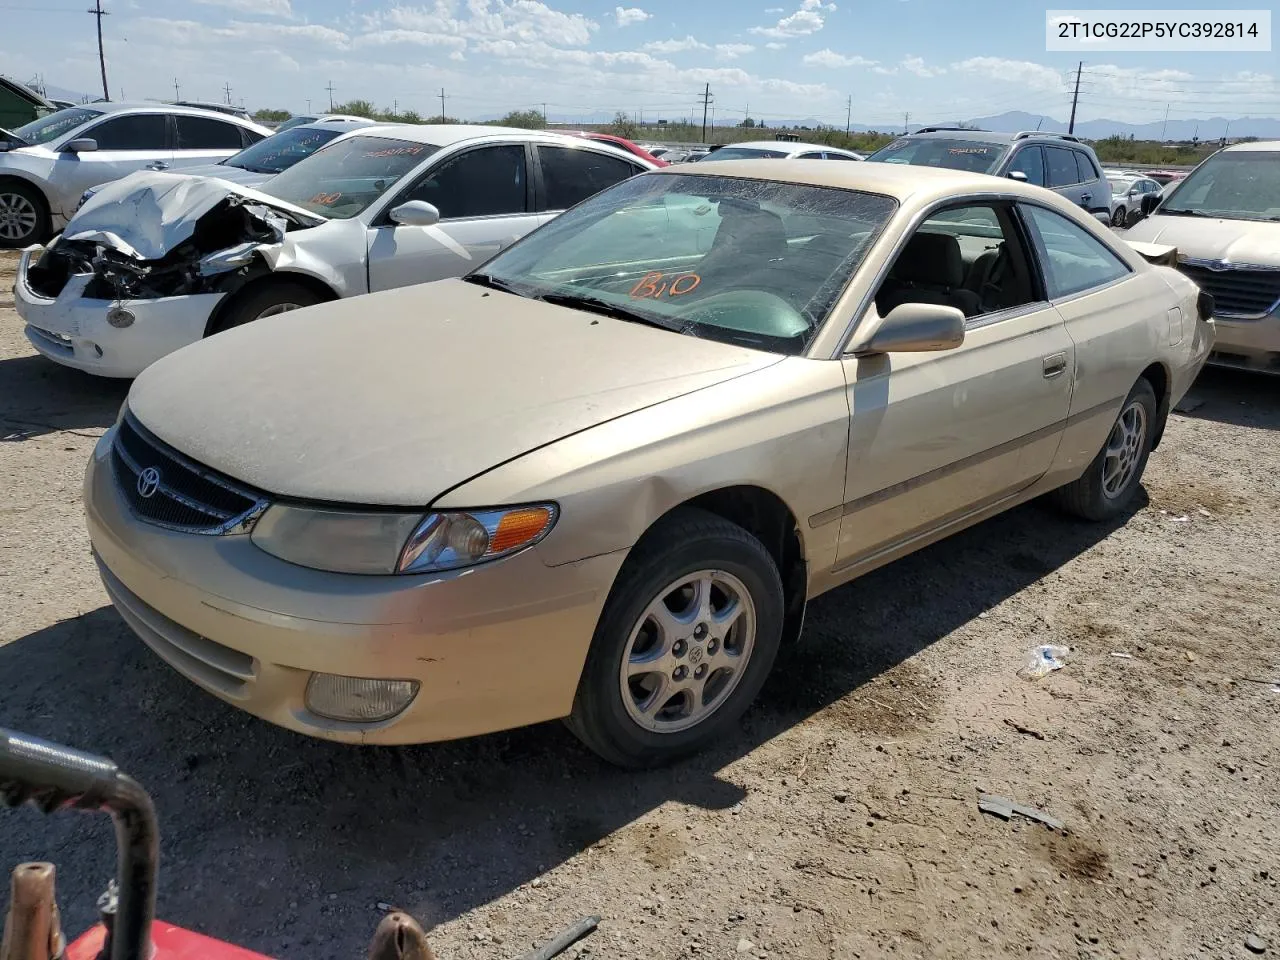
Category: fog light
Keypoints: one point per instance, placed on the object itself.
(119, 317)
(356, 699)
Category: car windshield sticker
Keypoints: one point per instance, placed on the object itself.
(652, 286)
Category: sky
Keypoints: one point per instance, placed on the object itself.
(826, 60)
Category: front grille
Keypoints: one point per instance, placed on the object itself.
(165, 488)
(1243, 292)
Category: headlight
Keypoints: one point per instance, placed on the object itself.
(372, 542)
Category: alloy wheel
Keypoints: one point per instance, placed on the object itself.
(18, 216)
(688, 651)
(1124, 449)
(278, 308)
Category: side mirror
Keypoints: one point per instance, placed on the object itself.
(915, 328)
(1103, 218)
(1018, 175)
(416, 213)
(81, 145)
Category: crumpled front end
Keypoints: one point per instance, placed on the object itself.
(140, 269)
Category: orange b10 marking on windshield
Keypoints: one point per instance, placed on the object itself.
(326, 199)
(652, 286)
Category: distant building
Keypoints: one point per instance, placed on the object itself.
(19, 104)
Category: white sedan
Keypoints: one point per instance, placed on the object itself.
(781, 150)
(158, 261)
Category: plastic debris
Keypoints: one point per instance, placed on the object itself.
(1004, 808)
(1255, 944)
(1182, 519)
(1122, 656)
(1025, 731)
(1043, 660)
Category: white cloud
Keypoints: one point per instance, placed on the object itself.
(829, 58)
(808, 19)
(527, 20)
(731, 51)
(383, 38)
(774, 45)
(626, 16)
(917, 66)
(1024, 73)
(676, 46)
(267, 8)
(775, 10)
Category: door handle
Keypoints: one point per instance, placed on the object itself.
(1085, 198)
(1054, 366)
(157, 165)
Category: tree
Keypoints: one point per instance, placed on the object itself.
(277, 116)
(358, 108)
(748, 124)
(623, 126)
(524, 119)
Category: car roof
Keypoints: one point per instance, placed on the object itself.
(898, 180)
(1260, 145)
(447, 134)
(340, 125)
(782, 146)
(154, 106)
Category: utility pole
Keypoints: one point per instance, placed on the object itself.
(906, 123)
(442, 104)
(395, 107)
(1075, 97)
(98, 12)
(177, 90)
(544, 114)
(308, 105)
(226, 89)
(706, 103)
(1164, 126)
(330, 89)
(848, 115)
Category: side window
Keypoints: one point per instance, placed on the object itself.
(205, 133)
(249, 137)
(840, 156)
(485, 182)
(811, 155)
(1062, 167)
(570, 175)
(141, 131)
(1074, 259)
(1030, 161)
(1084, 169)
(971, 258)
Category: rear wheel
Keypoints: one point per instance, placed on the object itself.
(686, 639)
(1111, 480)
(1118, 218)
(267, 300)
(24, 215)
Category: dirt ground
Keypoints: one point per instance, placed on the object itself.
(840, 821)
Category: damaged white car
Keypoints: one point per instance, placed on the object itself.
(157, 261)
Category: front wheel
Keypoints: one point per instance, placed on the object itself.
(686, 639)
(24, 216)
(1111, 480)
(1118, 218)
(264, 301)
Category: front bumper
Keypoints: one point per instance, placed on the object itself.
(1248, 344)
(494, 647)
(73, 330)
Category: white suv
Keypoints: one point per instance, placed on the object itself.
(48, 164)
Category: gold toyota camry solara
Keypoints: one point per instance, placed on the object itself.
(600, 476)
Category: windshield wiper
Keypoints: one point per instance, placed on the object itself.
(1182, 212)
(604, 307)
(488, 280)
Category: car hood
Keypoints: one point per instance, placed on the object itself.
(394, 398)
(1203, 238)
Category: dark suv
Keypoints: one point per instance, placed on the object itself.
(1061, 162)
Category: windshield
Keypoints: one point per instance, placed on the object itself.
(343, 179)
(1120, 184)
(295, 122)
(1234, 185)
(281, 150)
(745, 153)
(56, 124)
(750, 262)
(974, 156)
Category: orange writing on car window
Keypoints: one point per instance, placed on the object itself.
(394, 152)
(326, 199)
(652, 286)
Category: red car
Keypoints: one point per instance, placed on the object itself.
(621, 143)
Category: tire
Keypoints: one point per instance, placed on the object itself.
(1118, 219)
(265, 300)
(1097, 495)
(651, 718)
(24, 215)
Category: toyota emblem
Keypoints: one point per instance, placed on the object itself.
(148, 482)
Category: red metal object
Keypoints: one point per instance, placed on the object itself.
(622, 143)
(169, 942)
